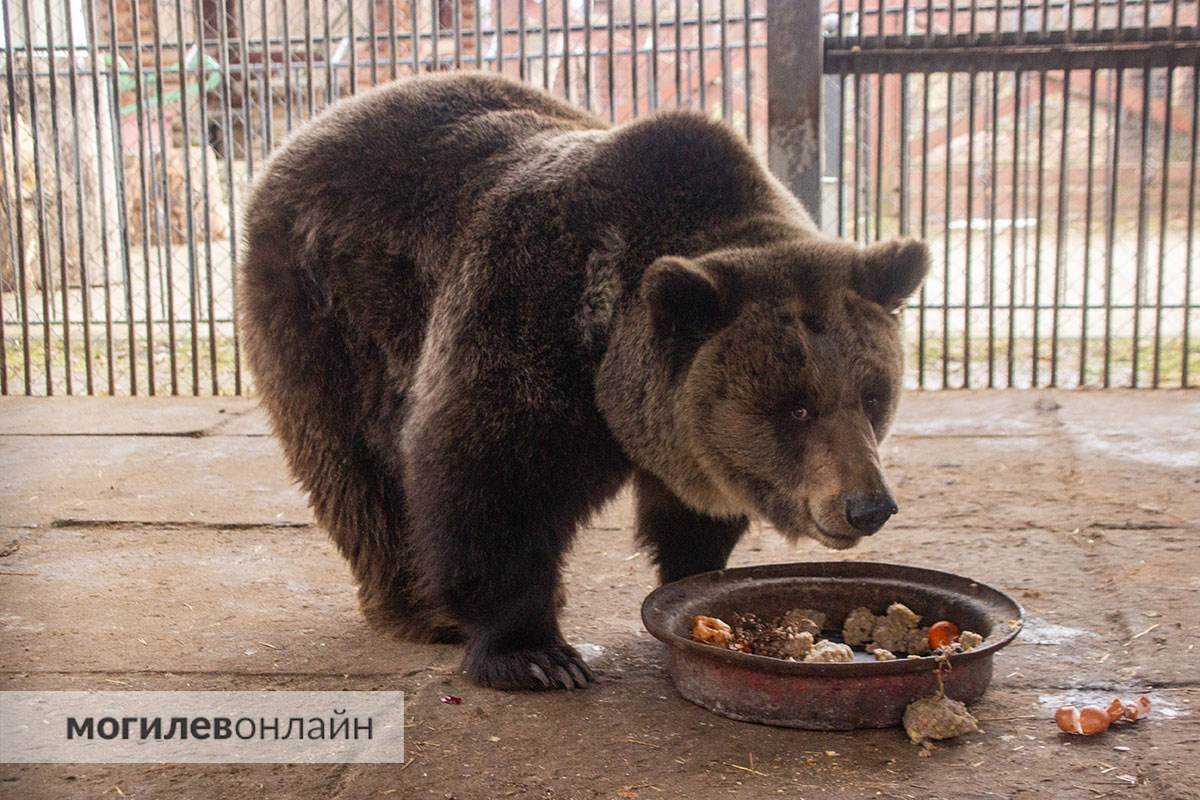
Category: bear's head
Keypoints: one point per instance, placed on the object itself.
(760, 380)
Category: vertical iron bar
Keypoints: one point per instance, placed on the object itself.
(702, 67)
(372, 34)
(267, 109)
(85, 282)
(748, 79)
(285, 60)
(189, 197)
(678, 51)
(202, 83)
(101, 192)
(841, 155)
(921, 321)
(18, 210)
(326, 37)
(949, 209)
(13, 255)
(122, 200)
(971, 89)
(1110, 222)
(456, 30)
(393, 56)
(1163, 212)
(227, 144)
(165, 185)
(268, 66)
(633, 56)
(498, 24)
(435, 33)
(1189, 266)
(566, 53)
(309, 87)
(1087, 229)
(1060, 255)
(477, 31)
(879, 126)
(414, 16)
(144, 188)
(587, 56)
(352, 54)
(1037, 239)
(521, 43)
(726, 99)
(903, 146)
(652, 82)
(859, 133)
(1013, 216)
(993, 187)
(1139, 280)
(59, 211)
(244, 69)
(545, 4)
(611, 66)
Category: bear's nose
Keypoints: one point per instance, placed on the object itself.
(867, 513)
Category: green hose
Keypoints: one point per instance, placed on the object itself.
(127, 82)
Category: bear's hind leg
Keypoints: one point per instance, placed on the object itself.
(682, 542)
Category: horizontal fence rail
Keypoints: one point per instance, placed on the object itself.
(1046, 150)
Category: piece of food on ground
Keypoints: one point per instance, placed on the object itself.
(857, 628)
(937, 717)
(1090, 720)
(969, 640)
(1087, 721)
(711, 630)
(827, 651)
(883, 655)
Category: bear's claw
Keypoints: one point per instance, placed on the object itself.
(555, 667)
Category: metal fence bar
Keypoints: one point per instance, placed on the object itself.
(1189, 269)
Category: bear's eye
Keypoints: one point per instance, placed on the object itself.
(800, 414)
(871, 402)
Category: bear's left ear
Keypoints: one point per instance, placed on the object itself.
(682, 297)
(890, 271)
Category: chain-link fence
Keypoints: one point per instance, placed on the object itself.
(1047, 150)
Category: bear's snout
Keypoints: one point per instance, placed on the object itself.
(867, 513)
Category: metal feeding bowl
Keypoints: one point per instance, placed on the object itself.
(823, 696)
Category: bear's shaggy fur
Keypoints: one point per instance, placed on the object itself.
(473, 312)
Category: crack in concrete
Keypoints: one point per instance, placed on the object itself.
(168, 525)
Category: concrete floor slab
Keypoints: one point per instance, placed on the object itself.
(156, 557)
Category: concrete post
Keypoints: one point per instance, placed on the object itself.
(795, 129)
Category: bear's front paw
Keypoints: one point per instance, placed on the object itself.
(555, 666)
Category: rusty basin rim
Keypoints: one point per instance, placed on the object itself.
(659, 605)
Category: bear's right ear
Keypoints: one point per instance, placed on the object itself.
(682, 297)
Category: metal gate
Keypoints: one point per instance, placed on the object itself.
(1046, 149)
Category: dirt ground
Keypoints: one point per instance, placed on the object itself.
(158, 544)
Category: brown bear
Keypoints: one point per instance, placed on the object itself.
(474, 312)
